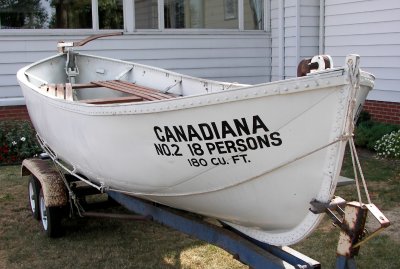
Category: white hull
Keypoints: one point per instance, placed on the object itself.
(252, 156)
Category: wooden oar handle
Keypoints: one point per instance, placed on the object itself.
(93, 37)
(62, 45)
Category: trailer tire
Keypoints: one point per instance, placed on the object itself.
(51, 218)
(33, 193)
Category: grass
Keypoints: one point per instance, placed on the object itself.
(110, 243)
(94, 243)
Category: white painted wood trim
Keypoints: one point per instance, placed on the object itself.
(129, 15)
(15, 101)
(267, 15)
(161, 25)
(240, 15)
(95, 15)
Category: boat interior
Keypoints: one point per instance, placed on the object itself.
(96, 80)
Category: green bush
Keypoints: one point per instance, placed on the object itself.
(17, 141)
(389, 145)
(367, 133)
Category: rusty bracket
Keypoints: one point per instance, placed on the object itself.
(317, 63)
(350, 217)
(378, 215)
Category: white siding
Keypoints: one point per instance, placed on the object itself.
(301, 35)
(235, 57)
(372, 30)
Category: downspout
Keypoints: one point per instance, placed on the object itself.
(281, 40)
(321, 45)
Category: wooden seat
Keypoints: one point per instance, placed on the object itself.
(137, 93)
(62, 91)
(115, 100)
(127, 87)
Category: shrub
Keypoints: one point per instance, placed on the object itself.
(368, 132)
(389, 145)
(17, 141)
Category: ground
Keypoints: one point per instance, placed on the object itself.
(126, 244)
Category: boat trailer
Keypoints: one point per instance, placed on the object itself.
(52, 192)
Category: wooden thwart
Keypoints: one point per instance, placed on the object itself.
(138, 93)
(127, 87)
(124, 99)
(62, 91)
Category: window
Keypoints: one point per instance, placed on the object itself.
(253, 14)
(111, 14)
(67, 14)
(140, 14)
(146, 14)
(41, 14)
(201, 14)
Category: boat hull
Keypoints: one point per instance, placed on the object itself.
(253, 157)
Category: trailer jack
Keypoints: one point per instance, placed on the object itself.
(351, 218)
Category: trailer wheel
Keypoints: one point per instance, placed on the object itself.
(33, 192)
(51, 218)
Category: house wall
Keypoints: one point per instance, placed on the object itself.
(388, 112)
(369, 28)
(13, 113)
(229, 56)
(372, 30)
(294, 33)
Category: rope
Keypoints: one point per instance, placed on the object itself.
(354, 84)
(352, 145)
(355, 175)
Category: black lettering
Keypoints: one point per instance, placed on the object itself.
(276, 140)
(159, 149)
(227, 129)
(176, 153)
(206, 131)
(221, 147)
(241, 127)
(258, 124)
(211, 147)
(241, 145)
(251, 143)
(192, 133)
(214, 126)
(230, 146)
(180, 133)
(169, 135)
(158, 132)
(166, 149)
(262, 141)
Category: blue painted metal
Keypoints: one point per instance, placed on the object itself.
(249, 251)
(343, 262)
